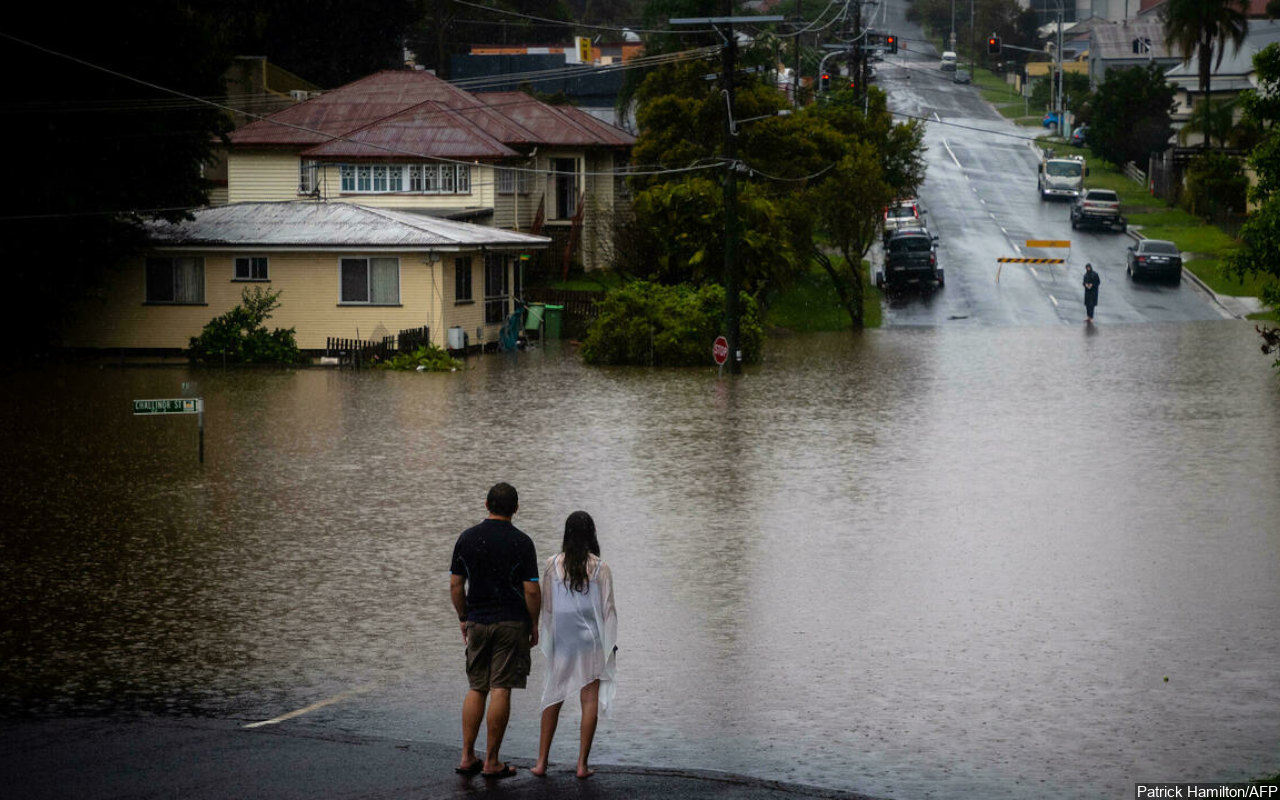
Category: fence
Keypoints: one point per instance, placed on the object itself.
(580, 308)
(1136, 175)
(360, 352)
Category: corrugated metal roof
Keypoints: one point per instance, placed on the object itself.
(378, 116)
(425, 131)
(350, 107)
(313, 225)
(553, 125)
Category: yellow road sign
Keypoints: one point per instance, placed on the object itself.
(1048, 243)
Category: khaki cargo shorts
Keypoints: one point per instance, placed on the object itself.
(498, 655)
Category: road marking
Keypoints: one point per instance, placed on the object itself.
(1033, 271)
(953, 155)
(337, 698)
(1054, 299)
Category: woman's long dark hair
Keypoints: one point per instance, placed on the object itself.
(579, 544)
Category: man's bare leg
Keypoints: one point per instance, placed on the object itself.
(550, 719)
(590, 696)
(472, 714)
(496, 727)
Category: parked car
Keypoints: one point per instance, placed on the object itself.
(1098, 208)
(1050, 120)
(1157, 258)
(961, 76)
(948, 63)
(902, 214)
(1078, 135)
(910, 257)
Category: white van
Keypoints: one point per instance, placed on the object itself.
(948, 61)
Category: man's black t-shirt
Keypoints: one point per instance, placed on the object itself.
(496, 558)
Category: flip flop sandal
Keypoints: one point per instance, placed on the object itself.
(506, 772)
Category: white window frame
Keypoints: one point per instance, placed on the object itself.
(250, 263)
(369, 286)
(446, 178)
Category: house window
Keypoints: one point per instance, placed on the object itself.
(565, 182)
(251, 268)
(496, 289)
(462, 279)
(375, 281)
(512, 180)
(308, 180)
(397, 178)
(175, 280)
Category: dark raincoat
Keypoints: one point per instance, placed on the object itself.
(1091, 281)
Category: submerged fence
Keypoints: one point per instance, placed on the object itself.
(364, 352)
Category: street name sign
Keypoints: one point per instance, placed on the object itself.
(177, 406)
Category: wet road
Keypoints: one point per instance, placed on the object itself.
(983, 203)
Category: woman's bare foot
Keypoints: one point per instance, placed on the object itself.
(539, 769)
(585, 772)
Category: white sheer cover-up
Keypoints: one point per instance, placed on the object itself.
(579, 632)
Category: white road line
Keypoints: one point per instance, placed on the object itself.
(1054, 299)
(337, 698)
(953, 155)
(1033, 271)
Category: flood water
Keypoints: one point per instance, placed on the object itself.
(985, 562)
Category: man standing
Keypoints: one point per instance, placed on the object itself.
(493, 582)
(1091, 281)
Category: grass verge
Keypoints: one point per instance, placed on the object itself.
(811, 304)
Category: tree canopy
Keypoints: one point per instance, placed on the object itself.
(1260, 236)
(1131, 115)
(811, 183)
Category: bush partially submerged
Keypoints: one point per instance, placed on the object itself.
(648, 324)
(427, 358)
(240, 337)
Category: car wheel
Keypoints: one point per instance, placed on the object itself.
(1128, 270)
(941, 280)
(880, 280)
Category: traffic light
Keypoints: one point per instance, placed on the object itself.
(891, 42)
(825, 82)
(993, 45)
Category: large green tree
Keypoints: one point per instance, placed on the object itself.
(1201, 29)
(1131, 115)
(1260, 236)
(108, 119)
(811, 185)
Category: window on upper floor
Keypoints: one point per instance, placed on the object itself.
(308, 176)
(251, 268)
(511, 180)
(402, 178)
(175, 280)
(370, 281)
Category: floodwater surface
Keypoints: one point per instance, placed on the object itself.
(988, 562)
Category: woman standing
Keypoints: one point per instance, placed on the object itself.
(1091, 281)
(579, 631)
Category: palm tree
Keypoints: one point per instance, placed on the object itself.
(1196, 26)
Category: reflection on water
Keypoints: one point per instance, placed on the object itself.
(911, 563)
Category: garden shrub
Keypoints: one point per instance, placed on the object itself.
(240, 337)
(649, 324)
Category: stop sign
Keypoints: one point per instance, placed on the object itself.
(720, 350)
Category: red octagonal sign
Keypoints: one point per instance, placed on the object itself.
(720, 350)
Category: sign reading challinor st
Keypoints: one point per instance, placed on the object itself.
(179, 406)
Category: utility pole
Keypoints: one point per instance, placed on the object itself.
(732, 277)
